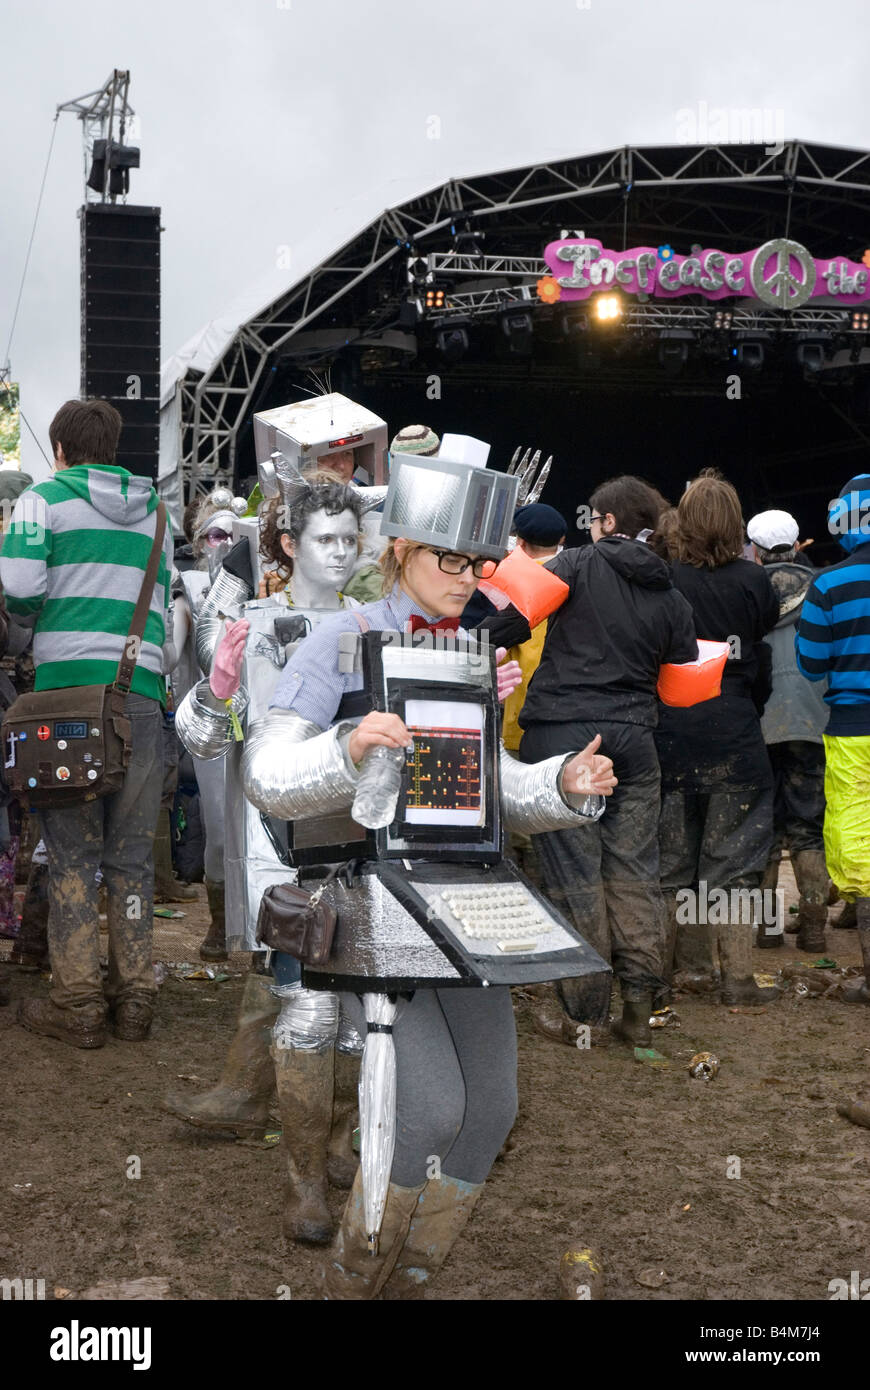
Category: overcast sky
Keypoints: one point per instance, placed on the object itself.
(290, 123)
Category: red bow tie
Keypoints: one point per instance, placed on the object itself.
(442, 625)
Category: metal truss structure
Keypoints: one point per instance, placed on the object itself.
(734, 196)
(98, 112)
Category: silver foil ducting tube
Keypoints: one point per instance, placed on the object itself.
(292, 770)
(348, 1040)
(530, 797)
(308, 1020)
(202, 721)
(225, 599)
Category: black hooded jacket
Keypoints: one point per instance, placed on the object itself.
(604, 646)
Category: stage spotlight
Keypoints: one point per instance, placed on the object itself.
(434, 298)
(572, 322)
(750, 355)
(608, 307)
(453, 341)
(860, 320)
(722, 319)
(810, 357)
(674, 350)
(516, 324)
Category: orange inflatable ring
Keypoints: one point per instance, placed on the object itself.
(692, 682)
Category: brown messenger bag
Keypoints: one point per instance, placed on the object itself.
(72, 745)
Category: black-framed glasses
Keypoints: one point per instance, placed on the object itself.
(451, 563)
(595, 518)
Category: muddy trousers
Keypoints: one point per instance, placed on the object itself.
(456, 1081)
(117, 834)
(605, 879)
(798, 769)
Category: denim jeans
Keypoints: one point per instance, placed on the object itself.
(115, 833)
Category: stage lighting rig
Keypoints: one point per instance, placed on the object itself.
(860, 320)
(608, 308)
(517, 326)
(674, 349)
(452, 341)
(810, 355)
(749, 352)
(722, 320)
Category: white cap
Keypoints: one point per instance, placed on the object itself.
(773, 529)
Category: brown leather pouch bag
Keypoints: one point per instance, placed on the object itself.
(299, 923)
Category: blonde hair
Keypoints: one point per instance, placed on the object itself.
(390, 566)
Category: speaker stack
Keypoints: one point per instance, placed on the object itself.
(121, 323)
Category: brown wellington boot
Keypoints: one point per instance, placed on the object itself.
(848, 918)
(441, 1215)
(811, 876)
(238, 1105)
(859, 993)
(214, 945)
(352, 1270)
(305, 1081)
(167, 888)
(735, 953)
(342, 1162)
(634, 1027)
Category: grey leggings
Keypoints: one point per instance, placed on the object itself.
(456, 1065)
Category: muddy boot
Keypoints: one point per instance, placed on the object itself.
(214, 946)
(848, 918)
(441, 1216)
(352, 1270)
(735, 954)
(859, 993)
(342, 1162)
(31, 949)
(634, 1027)
(551, 1021)
(167, 888)
(857, 1111)
(81, 1027)
(770, 934)
(811, 876)
(693, 958)
(239, 1104)
(305, 1080)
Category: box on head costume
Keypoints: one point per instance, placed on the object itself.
(413, 924)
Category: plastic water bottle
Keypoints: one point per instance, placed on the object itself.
(377, 791)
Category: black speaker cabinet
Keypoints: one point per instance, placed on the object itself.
(120, 337)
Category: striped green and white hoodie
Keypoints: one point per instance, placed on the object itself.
(74, 558)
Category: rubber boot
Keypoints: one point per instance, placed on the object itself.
(214, 946)
(735, 954)
(634, 1027)
(767, 938)
(167, 888)
(860, 992)
(662, 997)
(353, 1271)
(239, 1104)
(305, 1080)
(848, 918)
(342, 1162)
(441, 1215)
(693, 958)
(30, 951)
(811, 876)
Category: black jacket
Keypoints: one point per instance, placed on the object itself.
(604, 646)
(719, 742)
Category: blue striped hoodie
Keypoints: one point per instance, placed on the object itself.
(833, 637)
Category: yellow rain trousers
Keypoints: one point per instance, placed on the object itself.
(847, 814)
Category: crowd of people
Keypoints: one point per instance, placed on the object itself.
(239, 692)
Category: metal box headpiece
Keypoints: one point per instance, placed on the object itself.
(306, 430)
(451, 501)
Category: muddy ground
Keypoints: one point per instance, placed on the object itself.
(608, 1152)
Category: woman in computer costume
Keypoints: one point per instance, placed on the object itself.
(455, 1047)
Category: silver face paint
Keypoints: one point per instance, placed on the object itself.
(323, 559)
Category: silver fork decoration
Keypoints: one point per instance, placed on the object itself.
(531, 480)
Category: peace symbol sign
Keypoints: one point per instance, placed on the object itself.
(781, 289)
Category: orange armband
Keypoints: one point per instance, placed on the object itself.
(535, 591)
(691, 682)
